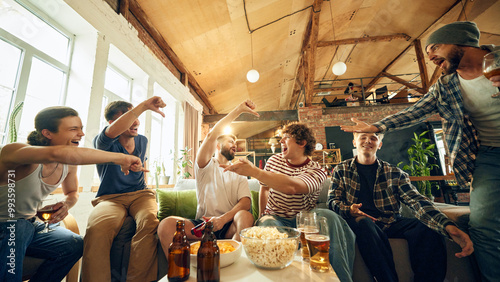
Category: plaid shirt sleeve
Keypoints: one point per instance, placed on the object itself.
(422, 109)
(423, 208)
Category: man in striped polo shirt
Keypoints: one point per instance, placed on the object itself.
(291, 182)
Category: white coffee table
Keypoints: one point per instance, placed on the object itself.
(244, 270)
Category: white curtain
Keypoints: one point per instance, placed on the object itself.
(191, 136)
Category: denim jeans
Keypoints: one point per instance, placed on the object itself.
(485, 212)
(342, 240)
(426, 247)
(60, 248)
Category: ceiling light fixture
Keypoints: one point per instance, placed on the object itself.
(339, 68)
(253, 74)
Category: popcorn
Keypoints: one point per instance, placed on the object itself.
(268, 247)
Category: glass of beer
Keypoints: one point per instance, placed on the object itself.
(319, 247)
(491, 67)
(306, 224)
(45, 212)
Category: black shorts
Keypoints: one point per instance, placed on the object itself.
(219, 234)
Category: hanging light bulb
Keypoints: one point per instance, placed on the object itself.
(253, 76)
(339, 68)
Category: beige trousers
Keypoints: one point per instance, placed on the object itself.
(103, 225)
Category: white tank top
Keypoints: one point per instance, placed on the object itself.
(29, 193)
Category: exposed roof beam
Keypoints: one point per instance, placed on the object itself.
(329, 89)
(288, 115)
(467, 7)
(310, 53)
(364, 39)
(404, 82)
(136, 11)
(421, 64)
(437, 73)
(379, 76)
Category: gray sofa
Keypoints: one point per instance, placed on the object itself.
(457, 269)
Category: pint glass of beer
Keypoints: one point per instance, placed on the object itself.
(319, 246)
(306, 224)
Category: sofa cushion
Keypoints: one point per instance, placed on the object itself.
(180, 203)
(255, 204)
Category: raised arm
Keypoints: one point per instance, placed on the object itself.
(209, 145)
(17, 154)
(280, 182)
(360, 126)
(127, 119)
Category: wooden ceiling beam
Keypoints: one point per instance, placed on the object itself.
(380, 75)
(424, 77)
(364, 39)
(404, 82)
(435, 75)
(329, 89)
(135, 10)
(467, 7)
(310, 53)
(287, 115)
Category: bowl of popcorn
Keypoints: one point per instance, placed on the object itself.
(229, 250)
(270, 247)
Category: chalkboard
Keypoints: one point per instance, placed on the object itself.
(394, 145)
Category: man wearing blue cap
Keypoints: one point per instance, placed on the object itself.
(464, 98)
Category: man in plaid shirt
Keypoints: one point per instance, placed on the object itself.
(367, 192)
(469, 106)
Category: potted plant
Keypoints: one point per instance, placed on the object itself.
(159, 173)
(184, 163)
(419, 155)
(12, 134)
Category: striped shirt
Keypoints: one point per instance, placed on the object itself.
(392, 186)
(444, 98)
(288, 206)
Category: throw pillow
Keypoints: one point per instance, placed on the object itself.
(255, 204)
(178, 203)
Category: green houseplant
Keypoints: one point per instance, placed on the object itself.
(12, 134)
(184, 163)
(161, 177)
(420, 154)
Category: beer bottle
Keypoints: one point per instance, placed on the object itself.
(208, 259)
(179, 255)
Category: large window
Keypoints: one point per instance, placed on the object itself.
(44, 90)
(162, 143)
(28, 27)
(34, 65)
(10, 56)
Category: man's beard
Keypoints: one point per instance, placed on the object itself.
(227, 154)
(454, 58)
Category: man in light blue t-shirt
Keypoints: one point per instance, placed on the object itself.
(121, 195)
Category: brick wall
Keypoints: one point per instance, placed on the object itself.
(318, 118)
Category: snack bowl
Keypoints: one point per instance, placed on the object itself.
(226, 259)
(270, 247)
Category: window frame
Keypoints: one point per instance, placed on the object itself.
(28, 52)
